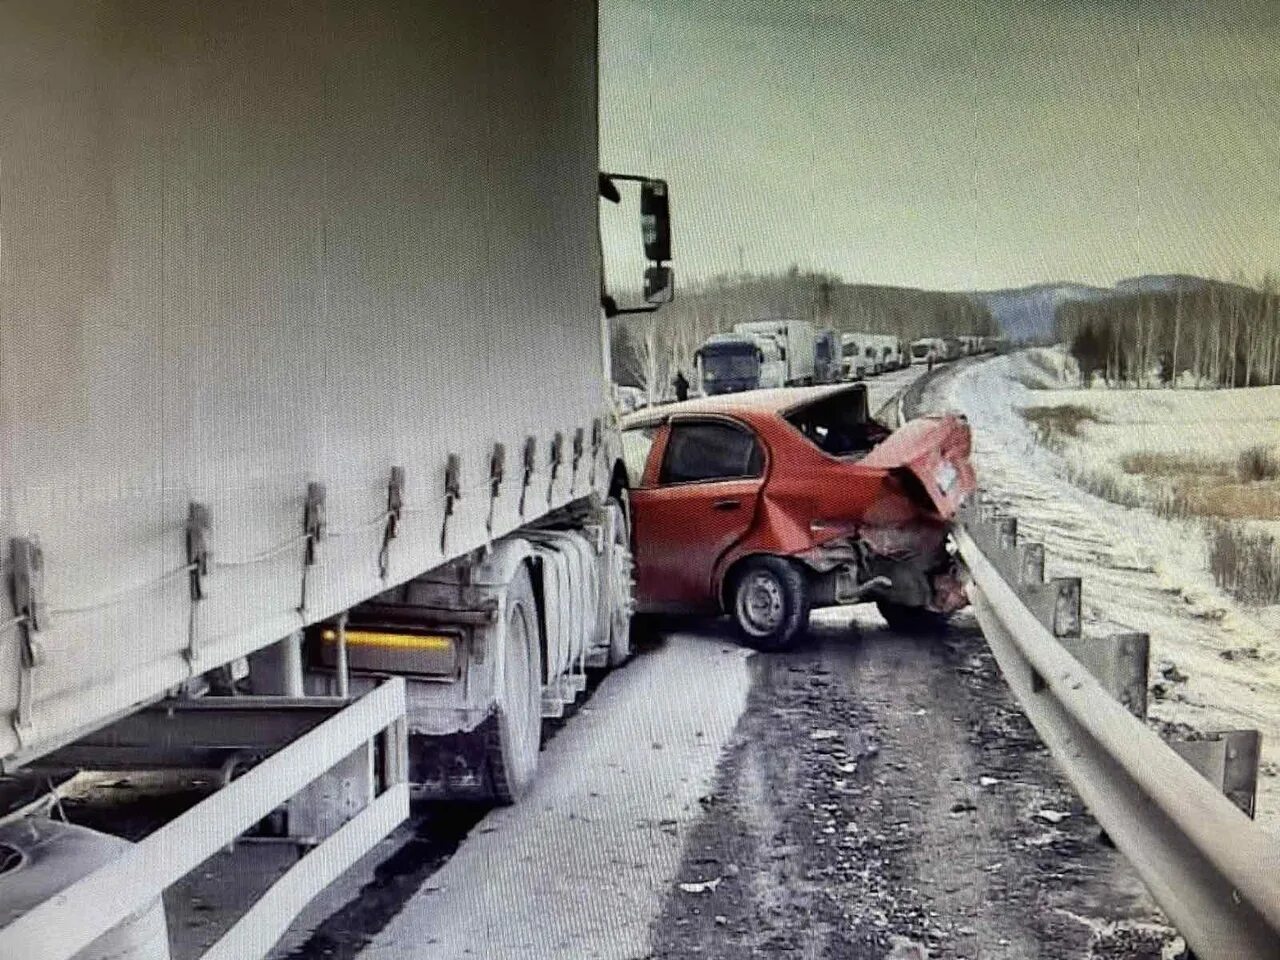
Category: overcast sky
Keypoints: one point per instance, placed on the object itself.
(956, 144)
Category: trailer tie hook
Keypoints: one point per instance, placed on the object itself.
(27, 584)
(395, 507)
(557, 458)
(497, 470)
(452, 493)
(530, 454)
(578, 447)
(313, 528)
(596, 440)
(199, 522)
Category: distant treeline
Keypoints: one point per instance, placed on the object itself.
(1202, 332)
(648, 349)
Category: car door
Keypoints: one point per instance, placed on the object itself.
(697, 501)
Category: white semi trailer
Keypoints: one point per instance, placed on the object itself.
(305, 449)
(796, 341)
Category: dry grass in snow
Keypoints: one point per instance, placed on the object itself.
(1209, 454)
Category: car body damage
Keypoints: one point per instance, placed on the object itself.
(807, 475)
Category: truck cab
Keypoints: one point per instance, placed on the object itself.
(853, 363)
(734, 362)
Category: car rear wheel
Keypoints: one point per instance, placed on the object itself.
(916, 621)
(770, 603)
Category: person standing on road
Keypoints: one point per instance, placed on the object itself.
(681, 383)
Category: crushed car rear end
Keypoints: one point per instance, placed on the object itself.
(867, 513)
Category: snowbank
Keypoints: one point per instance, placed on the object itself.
(1141, 571)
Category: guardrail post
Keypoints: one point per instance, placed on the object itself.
(1056, 604)
(1229, 760)
(1031, 563)
(1119, 664)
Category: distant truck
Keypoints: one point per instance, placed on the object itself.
(897, 356)
(827, 357)
(734, 362)
(853, 364)
(885, 350)
(795, 340)
(875, 353)
(928, 350)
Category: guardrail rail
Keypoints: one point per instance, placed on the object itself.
(1180, 811)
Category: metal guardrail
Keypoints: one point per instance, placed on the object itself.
(1180, 812)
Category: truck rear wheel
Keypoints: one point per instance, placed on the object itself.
(615, 595)
(770, 603)
(515, 736)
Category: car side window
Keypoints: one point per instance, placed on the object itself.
(707, 450)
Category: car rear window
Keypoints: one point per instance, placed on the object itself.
(839, 424)
(710, 451)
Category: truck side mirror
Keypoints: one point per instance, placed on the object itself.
(655, 221)
(658, 284)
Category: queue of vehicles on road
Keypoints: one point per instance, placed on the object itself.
(766, 354)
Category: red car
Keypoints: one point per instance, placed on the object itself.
(767, 504)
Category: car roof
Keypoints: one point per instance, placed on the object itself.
(777, 401)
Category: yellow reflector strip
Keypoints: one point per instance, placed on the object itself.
(392, 641)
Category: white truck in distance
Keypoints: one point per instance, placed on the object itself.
(853, 360)
(796, 340)
(868, 354)
(274, 506)
(928, 350)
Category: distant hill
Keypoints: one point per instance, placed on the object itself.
(1173, 282)
(1026, 313)
(1160, 283)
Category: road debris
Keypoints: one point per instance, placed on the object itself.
(1052, 816)
(701, 886)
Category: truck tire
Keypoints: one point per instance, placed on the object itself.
(515, 735)
(614, 622)
(769, 603)
(913, 621)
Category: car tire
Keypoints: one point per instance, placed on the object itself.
(769, 603)
(514, 736)
(913, 621)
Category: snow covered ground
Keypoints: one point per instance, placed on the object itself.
(1140, 571)
(1142, 443)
